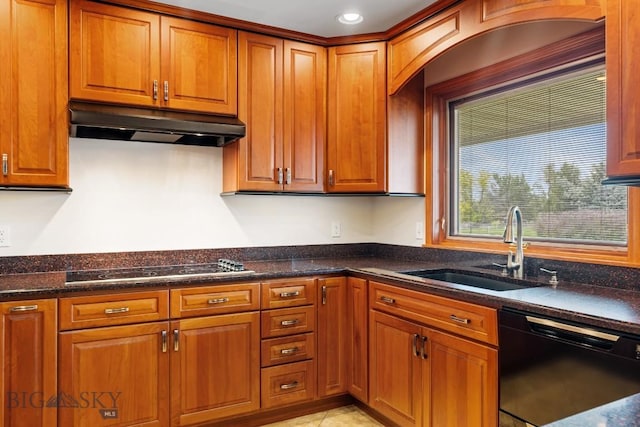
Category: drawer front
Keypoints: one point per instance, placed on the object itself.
(113, 309)
(288, 321)
(290, 383)
(219, 299)
(276, 351)
(291, 293)
(462, 318)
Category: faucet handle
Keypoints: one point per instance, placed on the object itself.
(504, 268)
(554, 278)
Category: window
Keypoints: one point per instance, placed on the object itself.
(529, 131)
(539, 144)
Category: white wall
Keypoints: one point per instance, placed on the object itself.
(131, 196)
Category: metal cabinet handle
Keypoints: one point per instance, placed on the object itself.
(288, 176)
(289, 386)
(116, 310)
(280, 176)
(155, 89)
(423, 349)
(163, 336)
(387, 300)
(218, 300)
(289, 351)
(324, 295)
(166, 90)
(289, 294)
(22, 308)
(5, 164)
(414, 347)
(289, 322)
(331, 178)
(457, 319)
(176, 340)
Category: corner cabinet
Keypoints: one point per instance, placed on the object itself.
(356, 145)
(282, 87)
(437, 369)
(33, 82)
(623, 98)
(128, 56)
(28, 352)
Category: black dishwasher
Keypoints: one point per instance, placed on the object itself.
(551, 369)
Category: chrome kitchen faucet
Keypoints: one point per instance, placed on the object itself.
(515, 263)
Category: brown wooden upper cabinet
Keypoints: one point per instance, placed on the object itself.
(623, 97)
(356, 146)
(33, 82)
(282, 87)
(127, 56)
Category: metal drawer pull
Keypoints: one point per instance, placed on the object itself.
(290, 322)
(423, 352)
(163, 335)
(116, 310)
(5, 164)
(288, 176)
(289, 386)
(20, 308)
(289, 294)
(457, 319)
(288, 351)
(166, 90)
(279, 172)
(176, 340)
(155, 89)
(414, 347)
(324, 295)
(218, 300)
(387, 300)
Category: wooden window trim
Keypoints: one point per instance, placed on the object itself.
(583, 47)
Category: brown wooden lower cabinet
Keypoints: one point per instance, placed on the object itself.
(358, 338)
(28, 350)
(332, 336)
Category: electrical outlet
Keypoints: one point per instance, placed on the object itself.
(336, 229)
(5, 236)
(419, 230)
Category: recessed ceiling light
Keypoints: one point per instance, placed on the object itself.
(350, 18)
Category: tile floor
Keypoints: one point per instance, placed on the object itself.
(346, 416)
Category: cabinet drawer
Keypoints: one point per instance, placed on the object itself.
(219, 299)
(290, 383)
(462, 318)
(113, 309)
(276, 351)
(288, 321)
(288, 294)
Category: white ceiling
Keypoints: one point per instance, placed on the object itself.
(316, 17)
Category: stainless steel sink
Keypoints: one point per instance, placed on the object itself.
(477, 280)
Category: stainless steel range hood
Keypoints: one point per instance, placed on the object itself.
(151, 125)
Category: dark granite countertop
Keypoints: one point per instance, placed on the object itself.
(616, 308)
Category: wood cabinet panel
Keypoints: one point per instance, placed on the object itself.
(199, 63)
(33, 82)
(289, 293)
(623, 99)
(356, 147)
(332, 335)
(276, 351)
(117, 373)
(115, 54)
(215, 367)
(288, 321)
(218, 299)
(290, 383)
(113, 309)
(358, 338)
(28, 349)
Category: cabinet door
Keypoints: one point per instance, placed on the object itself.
(28, 348)
(114, 54)
(356, 148)
(396, 371)
(305, 71)
(115, 375)
(199, 66)
(33, 81)
(260, 92)
(464, 382)
(623, 98)
(358, 338)
(215, 367)
(332, 336)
